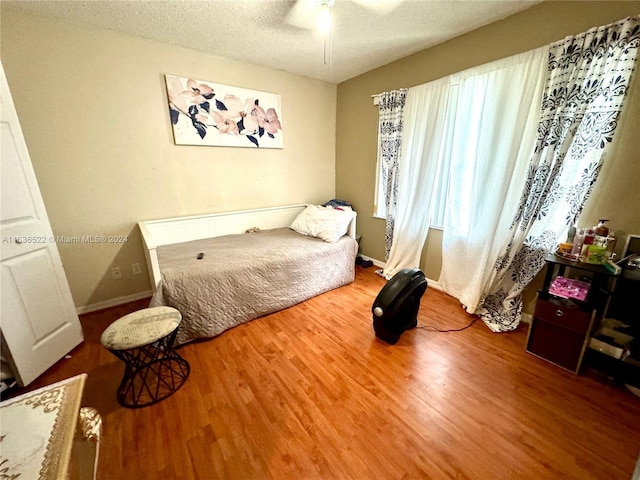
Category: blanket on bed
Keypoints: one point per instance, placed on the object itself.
(242, 277)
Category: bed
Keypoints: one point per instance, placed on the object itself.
(242, 276)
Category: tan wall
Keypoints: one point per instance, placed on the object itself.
(93, 109)
(616, 195)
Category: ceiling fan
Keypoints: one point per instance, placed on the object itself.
(316, 14)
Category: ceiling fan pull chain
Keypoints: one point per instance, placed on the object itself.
(328, 50)
(325, 50)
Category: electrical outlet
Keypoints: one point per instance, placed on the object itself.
(116, 273)
(136, 269)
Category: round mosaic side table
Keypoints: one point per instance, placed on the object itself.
(143, 340)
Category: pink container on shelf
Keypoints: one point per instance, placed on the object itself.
(569, 288)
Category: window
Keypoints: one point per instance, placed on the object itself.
(384, 170)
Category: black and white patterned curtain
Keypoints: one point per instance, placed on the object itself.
(587, 79)
(390, 106)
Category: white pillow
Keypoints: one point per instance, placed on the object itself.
(326, 223)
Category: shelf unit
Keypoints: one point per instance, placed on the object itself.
(561, 328)
(623, 306)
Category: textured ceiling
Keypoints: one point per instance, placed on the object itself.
(271, 33)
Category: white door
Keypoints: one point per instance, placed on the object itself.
(37, 315)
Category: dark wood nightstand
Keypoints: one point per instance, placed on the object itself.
(561, 327)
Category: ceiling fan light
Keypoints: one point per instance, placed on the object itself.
(324, 20)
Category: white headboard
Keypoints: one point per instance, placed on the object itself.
(167, 231)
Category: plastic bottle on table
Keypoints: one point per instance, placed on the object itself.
(577, 242)
(589, 236)
(601, 229)
(611, 245)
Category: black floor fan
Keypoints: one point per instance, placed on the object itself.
(396, 306)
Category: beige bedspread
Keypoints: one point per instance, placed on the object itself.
(245, 276)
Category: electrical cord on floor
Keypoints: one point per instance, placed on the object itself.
(436, 329)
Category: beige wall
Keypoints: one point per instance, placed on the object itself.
(93, 109)
(616, 195)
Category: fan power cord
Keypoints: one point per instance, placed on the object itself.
(436, 329)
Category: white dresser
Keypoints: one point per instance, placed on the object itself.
(44, 434)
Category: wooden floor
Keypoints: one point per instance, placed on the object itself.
(309, 393)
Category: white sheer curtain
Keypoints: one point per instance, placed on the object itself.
(425, 117)
(588, 76)
(493, 138)
(526, 138)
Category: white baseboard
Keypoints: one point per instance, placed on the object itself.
(114, 302)
(430, 282)
(376, 262)
(435, 285)
(526, 317)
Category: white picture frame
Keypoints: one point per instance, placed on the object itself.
(213, 114)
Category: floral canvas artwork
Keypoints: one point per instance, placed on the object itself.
(206, 113)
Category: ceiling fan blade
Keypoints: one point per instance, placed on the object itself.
(381, 7)
(304, 14)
